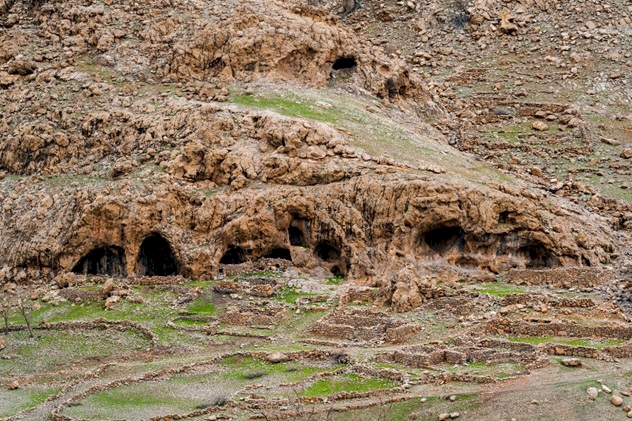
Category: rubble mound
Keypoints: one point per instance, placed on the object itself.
(252, 315)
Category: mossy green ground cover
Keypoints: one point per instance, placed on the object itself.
(590, 343)
(498, 289)
(347, 383)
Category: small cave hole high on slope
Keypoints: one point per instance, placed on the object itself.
(443, 239)
(344, 63)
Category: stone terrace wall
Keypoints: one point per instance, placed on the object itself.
(579, 277)
(557, 329)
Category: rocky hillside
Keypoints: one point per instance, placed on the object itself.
(216, 128)
(366, 201)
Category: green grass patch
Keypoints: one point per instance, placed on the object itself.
(498, 289)
(336, 280)
(589, 343)
(289, 105)
(387, 412)
(248, 368)
(291, 294)
(154, 313)
(56, 350)
(188, 322)
(203, 306)
(347, 383)
(137, 401)
(14, 401)
(510, 133)
(200, 284)
(209, 193)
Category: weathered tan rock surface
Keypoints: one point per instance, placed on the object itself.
(120, 150)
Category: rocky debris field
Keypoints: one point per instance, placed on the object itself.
(315, 209)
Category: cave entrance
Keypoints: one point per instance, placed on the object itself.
(440, 240)
(345, 63)
(279, 253)
(299, 231)
(156, 257)
(106, 260)
(233, 256)
(538, 256)
(297, 237)
(337, 272)
(327, 252)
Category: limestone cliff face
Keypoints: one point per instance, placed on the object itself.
(109, 169)
(361, 222)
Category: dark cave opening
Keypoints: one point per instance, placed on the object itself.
(297, 237)
(299, 231)
(327, 252)
(538, 256)
(503, 217)
(337, 272)
(233, 256)
(279, 253)
(156, 258)
(442, 239)
(345, 63)
(106, 260)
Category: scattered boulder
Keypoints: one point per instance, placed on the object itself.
(21, 66)
(108, 287)
(65, 280)
(626, 153)
(616, 400)
(540, 126)
(571, 362)
(592, 393)
(277, 357)
(506, 24)
(111, 301)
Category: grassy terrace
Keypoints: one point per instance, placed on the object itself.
(498, 289)
(589, 343)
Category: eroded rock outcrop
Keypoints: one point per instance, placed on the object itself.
(253, 41)
(110, 170)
